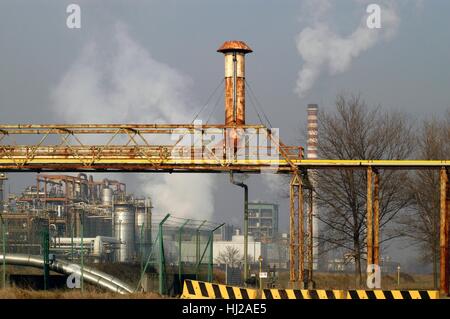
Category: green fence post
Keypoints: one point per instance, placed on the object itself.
(203, 255)
(197, 248)
(211, 244)
(180, 233)
(45, 252)
(150, 255)
(162, 263)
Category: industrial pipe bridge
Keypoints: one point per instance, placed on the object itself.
(163, 148)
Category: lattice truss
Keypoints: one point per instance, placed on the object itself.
(153, 147)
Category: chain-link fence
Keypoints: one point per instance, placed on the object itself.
(181, 249)
(164, 254)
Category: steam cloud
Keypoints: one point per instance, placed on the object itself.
(322, 49)
(120, 82)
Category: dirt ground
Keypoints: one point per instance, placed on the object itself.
(16, 293)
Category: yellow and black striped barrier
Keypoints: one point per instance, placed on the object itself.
(194, 289)
(392, 294)
(302, 294)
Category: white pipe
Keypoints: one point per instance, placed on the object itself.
(95, 242)
(89, 274)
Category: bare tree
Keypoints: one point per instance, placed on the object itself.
(230, 256)
(355, 131)
(421, 224)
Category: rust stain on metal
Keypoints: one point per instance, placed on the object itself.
(444, 233)
(376, 218)
(234, 46)
(310, 235)
(369, 217)
(234, 53)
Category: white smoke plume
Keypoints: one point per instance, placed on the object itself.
(118, 81)
(322, 49)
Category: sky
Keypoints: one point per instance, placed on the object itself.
(304, 52)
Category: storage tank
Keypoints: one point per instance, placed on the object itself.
(124, 230)
(107, 195)
(143, 218)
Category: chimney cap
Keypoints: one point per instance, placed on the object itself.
(239, 46)
(313, 106)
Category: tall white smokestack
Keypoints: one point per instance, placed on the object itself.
(312, 131)
(311, 153)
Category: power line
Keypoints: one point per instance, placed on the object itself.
(208, 100)
(215, 107)
(258, 103)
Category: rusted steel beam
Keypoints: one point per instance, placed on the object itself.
(296, 231)
(444, 234)
(369, 217)
(22, 150)
(128, 125)
(292, 232)
(447, 232)
(376, 218)
(142, 168)
(123, 131)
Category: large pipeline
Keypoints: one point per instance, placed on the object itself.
(90, 275)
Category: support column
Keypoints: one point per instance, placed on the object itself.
(444, 235)
(369, 217)
(376, 219)
(292, 232)
(310, 236)
(296, 224)
(301, 233)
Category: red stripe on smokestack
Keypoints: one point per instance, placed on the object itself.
(311, 151)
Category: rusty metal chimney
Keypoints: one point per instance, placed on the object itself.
(234, 52)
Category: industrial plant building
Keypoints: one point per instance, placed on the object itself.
(78, 210)
(263, 221)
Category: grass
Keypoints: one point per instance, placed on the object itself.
(131, 273)
(17, 293)
(346, 281)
